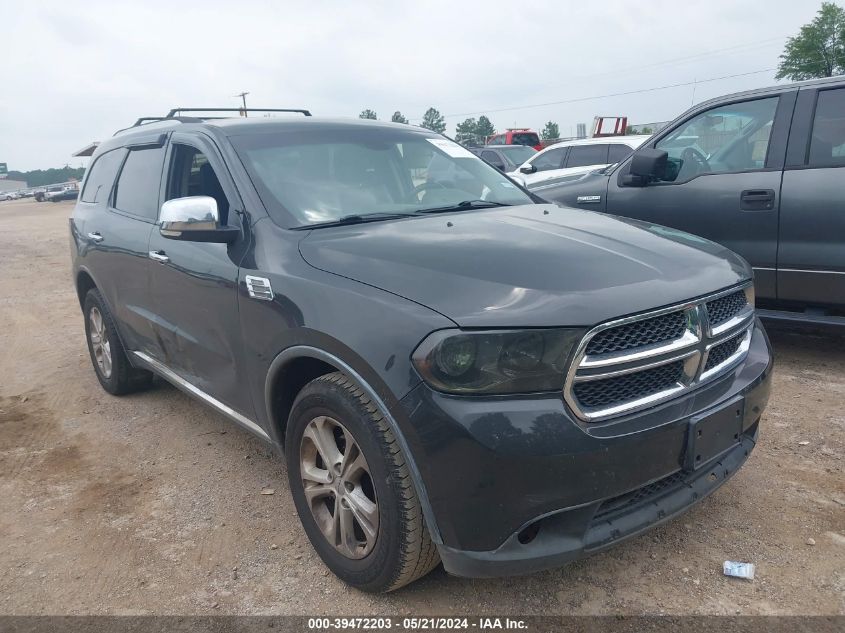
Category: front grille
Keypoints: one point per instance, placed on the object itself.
(721, 352)
(609, 392)
(639, 361)
(721, 309)
(659, 329)
(630, 500)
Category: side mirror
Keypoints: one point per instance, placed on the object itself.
(646, 165)
(194, 219)
(528, 169)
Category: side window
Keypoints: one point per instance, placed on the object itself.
(192, 175)
(551, 159)
(618, 152)
(493, 158)
(497, 140)
(101, 176)
(827, 143)
(138, 184)
(583, 155)
(725, 139)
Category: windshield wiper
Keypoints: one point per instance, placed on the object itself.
(347, 220)
(466, 204)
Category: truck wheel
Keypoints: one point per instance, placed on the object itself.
(115, 373)
(353, 490)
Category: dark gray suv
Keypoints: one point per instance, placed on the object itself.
(453, 370)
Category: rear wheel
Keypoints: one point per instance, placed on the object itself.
(115, 373)
(353, 490)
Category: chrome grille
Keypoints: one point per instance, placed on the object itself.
(721, 352)
(721, 309)
(659, 329)
(638, 361)
(611, 391)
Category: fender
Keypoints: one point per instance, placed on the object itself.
(298, 351)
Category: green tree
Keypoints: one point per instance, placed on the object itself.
(819, 48)
(484, 129)
(467, 131)
(41, 177)
(434, 121)
(368, 114)
(398, 117)
(551, 131)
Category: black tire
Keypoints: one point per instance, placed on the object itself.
(403, 550)
(122, 377)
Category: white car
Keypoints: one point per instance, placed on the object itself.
(8, 195)
(574, 158)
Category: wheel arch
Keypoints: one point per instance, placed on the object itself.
(283, 383)
(84, 283)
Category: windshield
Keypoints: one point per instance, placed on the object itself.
(317, 176)
(518, 155)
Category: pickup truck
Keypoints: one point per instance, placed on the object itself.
(759, 172)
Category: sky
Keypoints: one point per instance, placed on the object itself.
(75, 72)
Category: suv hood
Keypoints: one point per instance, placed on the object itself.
(532, 265)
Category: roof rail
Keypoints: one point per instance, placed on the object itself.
(172, 115)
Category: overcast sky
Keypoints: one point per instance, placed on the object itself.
(74, 72)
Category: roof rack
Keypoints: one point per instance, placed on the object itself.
(173, 115)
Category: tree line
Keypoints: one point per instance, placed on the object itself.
(42, 177)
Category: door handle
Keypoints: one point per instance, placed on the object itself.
(159, 256)
(757, 200)
(95, 236)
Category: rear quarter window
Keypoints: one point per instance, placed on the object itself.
(101, 175)
(526, 138)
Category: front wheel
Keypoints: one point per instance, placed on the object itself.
(353, 490)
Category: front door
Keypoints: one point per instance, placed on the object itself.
(722, 181)
(193, 285)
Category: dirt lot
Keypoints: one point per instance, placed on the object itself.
(151, 503)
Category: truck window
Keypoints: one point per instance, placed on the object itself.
(138, 184)
(583, 155)
(101, 176)
(727, 138)
(618, 152)
(551, 159)
(827, 143)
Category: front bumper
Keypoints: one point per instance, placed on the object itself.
(519, 484)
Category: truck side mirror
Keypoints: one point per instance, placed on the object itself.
(528, 169)
(646, 165)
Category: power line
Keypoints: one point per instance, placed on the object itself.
(612, 94)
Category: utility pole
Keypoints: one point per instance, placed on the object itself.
(243, 95)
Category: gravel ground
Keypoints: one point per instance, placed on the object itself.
(151, 503)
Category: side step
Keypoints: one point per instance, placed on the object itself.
(810, 318)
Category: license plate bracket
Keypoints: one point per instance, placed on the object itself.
(712, 433)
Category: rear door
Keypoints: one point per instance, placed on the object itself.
(193, 285)
(811, 259)
(723, 181)
(119, 236)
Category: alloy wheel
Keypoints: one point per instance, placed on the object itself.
(100, 343)
(338, 487)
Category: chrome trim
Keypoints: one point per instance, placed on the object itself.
(171, 376)
(692, 347)
(259, 288)
(95, 236)
(191, 213)
(159, 257)
(730, 361)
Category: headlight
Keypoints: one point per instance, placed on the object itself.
(496, 362)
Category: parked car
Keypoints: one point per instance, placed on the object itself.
(505, 158)
(48, 192)
(8, 195)
(65, 192)
(456, 373)
(517, 136)
(757, 171)
(569, 159)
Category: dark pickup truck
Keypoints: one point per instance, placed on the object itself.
(758, 172)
